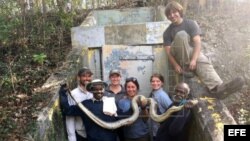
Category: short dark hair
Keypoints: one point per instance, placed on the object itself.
(133, 80)
(83, 71)
(157, 75)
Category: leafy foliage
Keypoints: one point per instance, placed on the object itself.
(39, 58)
(29, 39)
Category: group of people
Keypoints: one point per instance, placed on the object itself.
(96, 95)
(112, 102)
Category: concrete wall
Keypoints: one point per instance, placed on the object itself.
(210, 115)
(121, 27)
(89, 42)
(49, 125)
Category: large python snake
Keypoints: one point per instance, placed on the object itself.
(152, 112)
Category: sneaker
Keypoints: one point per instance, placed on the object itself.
(225, 89)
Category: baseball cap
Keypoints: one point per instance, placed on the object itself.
(114, 71)
(84, 70)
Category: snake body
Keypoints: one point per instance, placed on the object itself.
(116, 124)
(160, 118)
(153, 114)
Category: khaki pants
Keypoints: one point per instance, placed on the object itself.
(182, 52)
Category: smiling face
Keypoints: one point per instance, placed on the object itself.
(174, 12)
(156, 83)
(181, 93)
(174, 16)
(131, 89)
(115, 79)
(84, 79)
(98, 91)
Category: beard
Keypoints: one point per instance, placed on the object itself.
(84, 83)
(177, 99)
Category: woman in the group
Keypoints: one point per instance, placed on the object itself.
(138, 130)
(161, 97)
(116, 90)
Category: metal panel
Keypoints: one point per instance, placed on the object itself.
(94, 61)
(136, 61)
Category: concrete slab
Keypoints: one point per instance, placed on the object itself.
(87, 36)
(124, 16)
(135, 26)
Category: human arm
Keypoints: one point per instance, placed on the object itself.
(196, 52)
(191, 103)
(65, 107)
(172, 60)
(194, 32)
(144, 114)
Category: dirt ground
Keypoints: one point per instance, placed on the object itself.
(226, 38)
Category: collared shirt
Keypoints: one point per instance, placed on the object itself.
(79, 95)
(95, 100)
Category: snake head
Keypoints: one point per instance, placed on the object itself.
(142, 101)
(191, 103)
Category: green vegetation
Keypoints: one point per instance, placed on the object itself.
(39, 58)
(32, 43)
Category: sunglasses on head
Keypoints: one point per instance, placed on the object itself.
(131, 79)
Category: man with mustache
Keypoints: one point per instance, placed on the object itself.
(175, 128)
(74, 124)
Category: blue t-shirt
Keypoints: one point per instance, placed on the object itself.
(137, 129)
(162, 99)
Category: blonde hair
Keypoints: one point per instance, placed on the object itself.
(173, 6)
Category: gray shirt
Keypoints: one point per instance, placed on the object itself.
(190, 26)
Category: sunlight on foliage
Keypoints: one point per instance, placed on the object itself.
(218, 124)
(243, 116)
(39, 58)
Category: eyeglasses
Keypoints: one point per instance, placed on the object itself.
(133, 79)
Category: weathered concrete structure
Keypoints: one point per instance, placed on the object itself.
(130, 40)
(126, 39)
